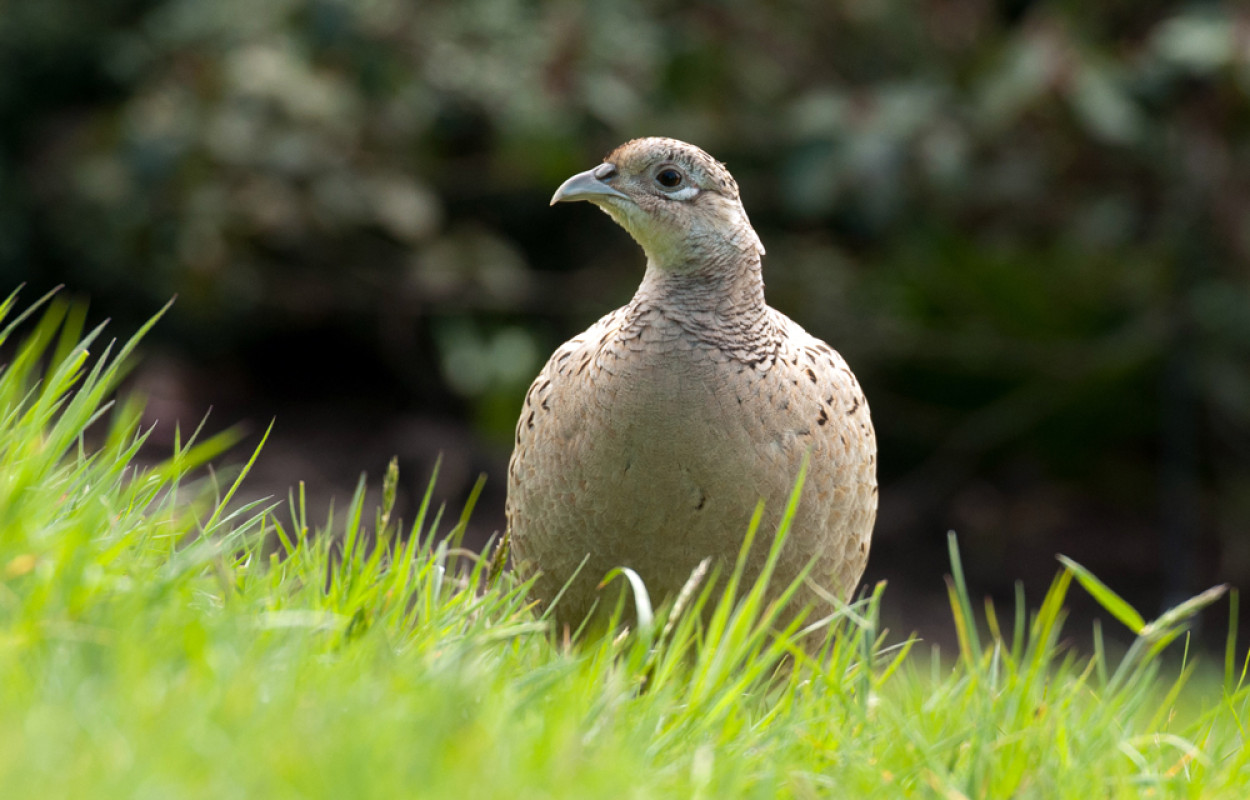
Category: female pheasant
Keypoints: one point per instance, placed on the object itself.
(647, 441)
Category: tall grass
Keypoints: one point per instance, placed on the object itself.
(157, 641)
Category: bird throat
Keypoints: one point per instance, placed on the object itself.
(727, 287)
(718, 307)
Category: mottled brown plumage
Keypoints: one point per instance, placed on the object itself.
(647, 440)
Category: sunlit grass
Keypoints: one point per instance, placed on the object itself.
(158, 642)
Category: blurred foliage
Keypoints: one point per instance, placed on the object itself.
(1024, 223)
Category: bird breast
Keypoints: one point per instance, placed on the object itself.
(647, 445)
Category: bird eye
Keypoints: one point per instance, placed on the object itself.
(669, 178)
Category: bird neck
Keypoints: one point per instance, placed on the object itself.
(728, 286)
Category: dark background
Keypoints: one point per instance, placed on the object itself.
(1023, 223)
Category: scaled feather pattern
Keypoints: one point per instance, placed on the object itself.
(648, 440)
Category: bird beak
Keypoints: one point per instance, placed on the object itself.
(588, 185)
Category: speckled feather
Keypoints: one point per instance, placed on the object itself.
(647, 440)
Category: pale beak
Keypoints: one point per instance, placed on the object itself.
(589, 185)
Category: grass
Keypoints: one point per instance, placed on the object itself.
(155, 644)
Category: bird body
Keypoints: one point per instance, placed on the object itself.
(647, 441)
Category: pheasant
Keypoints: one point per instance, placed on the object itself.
(648, 440)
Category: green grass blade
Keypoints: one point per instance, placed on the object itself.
(1115, 605)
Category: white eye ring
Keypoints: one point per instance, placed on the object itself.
(684, 193)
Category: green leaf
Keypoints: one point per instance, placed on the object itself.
(1115, 605)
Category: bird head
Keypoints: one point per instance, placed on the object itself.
(680, 204)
